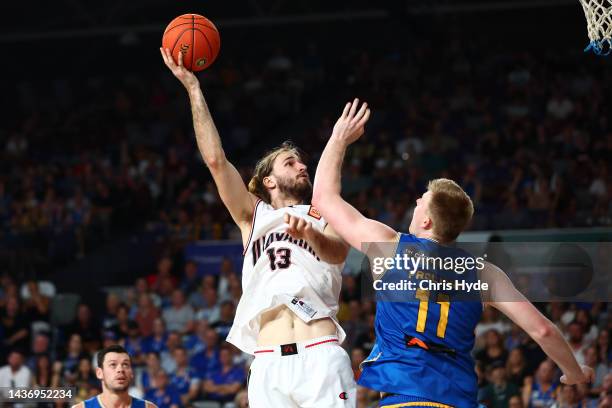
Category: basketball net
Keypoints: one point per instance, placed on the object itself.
(598, 14)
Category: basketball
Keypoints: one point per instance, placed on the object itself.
(196, 37)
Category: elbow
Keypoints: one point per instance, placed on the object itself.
(544, 331)
(214, 161)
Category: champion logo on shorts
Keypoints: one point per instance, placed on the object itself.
(314, 213)
(343, 395)
(288, 349)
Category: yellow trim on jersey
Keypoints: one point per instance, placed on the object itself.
(418, 404)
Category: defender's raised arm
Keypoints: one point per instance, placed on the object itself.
(349, 223)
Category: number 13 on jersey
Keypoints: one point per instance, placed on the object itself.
(279, 258)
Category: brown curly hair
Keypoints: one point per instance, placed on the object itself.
(263, 168)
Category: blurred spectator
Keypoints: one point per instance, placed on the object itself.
(516, 367)
(144, 378)
(184, 379)
(112, 306)
(600, 369)
(491, 320)
(133, 344)
(494, 350)
(589, 329)
(567, 397)
(499, 391)
(515, 402)
(515, 338)
(226, 319)
(603, 346)
(122, 321)
(575, 336)
(85, 382)
(15, 373)
(367, 337)
(36, 305)
(164, 395)
(164, 271)
(223, 384)
(196, 342)
(71, 358)
(42, 374)
(86, 327)
(179, 317)
(206, 302)
(207, 360)
(190, 280)
(353, 323)
(156, 342)
(40, 347)
(167, 356)
(540, 391)
(14, 327)
(146, 314)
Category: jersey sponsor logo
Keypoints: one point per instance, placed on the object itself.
(343, 395)
(260, 245)
(314, 213)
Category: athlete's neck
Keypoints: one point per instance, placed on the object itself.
(281, 202)
(111, 399)
(428, 234)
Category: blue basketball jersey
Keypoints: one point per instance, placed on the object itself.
(424, 338)
(95, 403)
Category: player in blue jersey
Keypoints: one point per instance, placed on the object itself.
(422, 353)
(115, 372)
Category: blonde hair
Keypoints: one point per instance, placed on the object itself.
(263, 168)
(450, 209)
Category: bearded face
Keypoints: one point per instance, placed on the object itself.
(298, 187)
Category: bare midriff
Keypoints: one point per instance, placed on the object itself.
(281, 326)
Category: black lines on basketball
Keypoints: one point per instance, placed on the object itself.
(177, 40)
(193, 47)
(195, 23)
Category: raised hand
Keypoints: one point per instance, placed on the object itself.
(351, 124)
(187, 78)
(298, 227)
(587, 376)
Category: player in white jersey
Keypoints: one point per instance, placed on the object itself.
(291, 274)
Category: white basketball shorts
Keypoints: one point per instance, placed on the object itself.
(312, 374)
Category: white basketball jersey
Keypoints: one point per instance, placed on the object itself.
(279, 270)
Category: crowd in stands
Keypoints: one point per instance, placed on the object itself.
(91, 157)
(173, 323)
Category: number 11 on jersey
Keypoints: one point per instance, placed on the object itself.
(443, 301)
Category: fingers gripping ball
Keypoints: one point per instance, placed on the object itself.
(196, 37)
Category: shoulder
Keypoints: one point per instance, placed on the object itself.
(79, 405)
(149, 404)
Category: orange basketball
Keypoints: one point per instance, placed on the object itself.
(196, 37)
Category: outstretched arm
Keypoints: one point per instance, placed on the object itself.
(232, 189)
(507, 299)
(349, 223)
